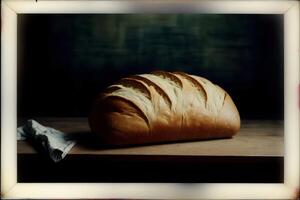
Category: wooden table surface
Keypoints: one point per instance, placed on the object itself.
(254, 155)
(256, 138)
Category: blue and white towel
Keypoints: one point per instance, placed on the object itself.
(53, 141)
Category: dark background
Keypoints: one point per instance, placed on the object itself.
(64, 60)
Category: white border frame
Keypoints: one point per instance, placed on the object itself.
(11, 189)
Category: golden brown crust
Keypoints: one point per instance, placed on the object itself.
(163, 107)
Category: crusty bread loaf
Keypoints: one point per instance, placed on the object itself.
(161, 107)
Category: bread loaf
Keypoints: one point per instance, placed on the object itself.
(163, 107)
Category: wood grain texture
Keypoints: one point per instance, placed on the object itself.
(256, 138)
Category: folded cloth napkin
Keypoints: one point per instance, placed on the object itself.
(53, 141)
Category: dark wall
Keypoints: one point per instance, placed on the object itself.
(65, 60)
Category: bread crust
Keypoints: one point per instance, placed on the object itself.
(163, 107)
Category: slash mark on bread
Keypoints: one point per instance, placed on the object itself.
(140, 112)
(156, 87)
